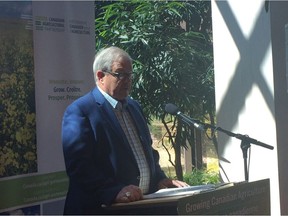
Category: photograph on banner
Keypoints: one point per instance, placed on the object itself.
(18, 145)
(18, 149)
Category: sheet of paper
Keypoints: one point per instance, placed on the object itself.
(180, 191)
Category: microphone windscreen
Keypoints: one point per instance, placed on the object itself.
(171, 109)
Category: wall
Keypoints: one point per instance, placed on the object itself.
(248, 90)
(279, 18)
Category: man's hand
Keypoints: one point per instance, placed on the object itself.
(129, 194)
(169, 183)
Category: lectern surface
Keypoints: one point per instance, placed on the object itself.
(251, 198)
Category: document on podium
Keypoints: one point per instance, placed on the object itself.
(190, 190)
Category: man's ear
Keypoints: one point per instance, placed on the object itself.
(100, 75)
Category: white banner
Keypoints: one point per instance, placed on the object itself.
(64, 47)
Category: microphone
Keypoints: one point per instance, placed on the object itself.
(173, 110)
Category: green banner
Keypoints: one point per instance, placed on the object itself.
(32, 189)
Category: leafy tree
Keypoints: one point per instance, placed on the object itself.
(170, 43)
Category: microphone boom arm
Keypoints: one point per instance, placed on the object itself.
(245, 144)
(242, 137)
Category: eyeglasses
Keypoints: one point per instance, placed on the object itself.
(120, 76)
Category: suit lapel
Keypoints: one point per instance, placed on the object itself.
(109, 115)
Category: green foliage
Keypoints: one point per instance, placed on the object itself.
(172, 57)
(200, 177)
(171, 44)
(17, 105)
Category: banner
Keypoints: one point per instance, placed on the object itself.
(46, 56)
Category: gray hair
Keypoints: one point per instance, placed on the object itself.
(104, 58)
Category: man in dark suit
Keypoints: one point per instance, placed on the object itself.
(107, 143)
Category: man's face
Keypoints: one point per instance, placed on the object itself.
(116, 87)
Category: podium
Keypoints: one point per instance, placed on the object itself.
(246, 198)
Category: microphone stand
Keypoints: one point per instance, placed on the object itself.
(246, 142)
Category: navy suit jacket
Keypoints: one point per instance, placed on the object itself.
(98, 158)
